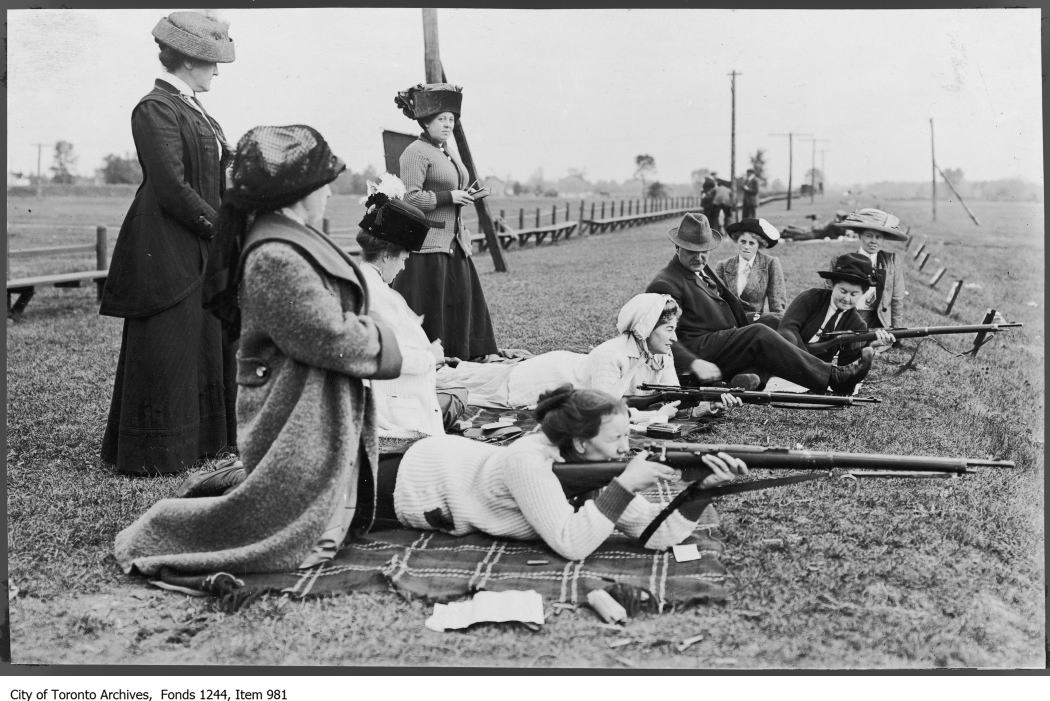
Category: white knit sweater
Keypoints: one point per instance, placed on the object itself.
(460, 486)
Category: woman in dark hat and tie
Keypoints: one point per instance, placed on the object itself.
(174, 391)
(823, 309)
(883, 304)
(757, 277)
(307, 344)
(440, 281)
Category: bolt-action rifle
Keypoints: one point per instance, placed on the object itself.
(830, 340)
(794, 400)
(582, 477)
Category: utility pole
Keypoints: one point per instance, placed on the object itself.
(732, 139)
(813, 167)
(933, 172)
(435, 73)
(791, 159)
(39, 177)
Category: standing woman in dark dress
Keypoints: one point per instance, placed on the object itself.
(170, 401)
(440, 281)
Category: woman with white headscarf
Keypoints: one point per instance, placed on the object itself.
(640, 352)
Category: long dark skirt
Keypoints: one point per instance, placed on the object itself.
(445, 289)
(169, 405)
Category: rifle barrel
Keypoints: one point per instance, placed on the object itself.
(712, 394)
(837, 338)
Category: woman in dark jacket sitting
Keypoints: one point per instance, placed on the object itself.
(833, 308)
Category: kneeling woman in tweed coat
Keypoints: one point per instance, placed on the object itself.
(304, 420)
(459, 486)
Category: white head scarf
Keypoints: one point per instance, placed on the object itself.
(639, 315)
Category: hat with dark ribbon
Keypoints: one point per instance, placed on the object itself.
(850, 267)
(425, 100)
(197, 36)
(767, 233)
(694, 233)
(876, 220)
(395, 221)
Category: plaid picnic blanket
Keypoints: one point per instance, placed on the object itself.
(438, 567)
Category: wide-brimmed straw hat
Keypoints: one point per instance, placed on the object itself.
(425, 100)
(694, 233)
(887, 224)
(766, 232)
(197, 36)
(850, 267)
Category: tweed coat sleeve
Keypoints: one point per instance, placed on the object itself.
(776, 292)
(304, 318)
(722, 269)
(158, 139)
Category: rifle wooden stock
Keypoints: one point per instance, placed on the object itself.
(835, 339)
(669, 393)
(579, 478)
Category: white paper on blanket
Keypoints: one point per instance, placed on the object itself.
(488, 607)
(779, 384)
(685, 552)
(641, 419)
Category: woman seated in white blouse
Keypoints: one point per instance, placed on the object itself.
(460, 486)
(640, 353)
(406, 405)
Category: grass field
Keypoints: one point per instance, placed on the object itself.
(828, 575)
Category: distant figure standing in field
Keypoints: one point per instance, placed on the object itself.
(173, 398)
(717, 199)
(440, 281)
(883, 304)
(750, 209)
(757, 277)
(714, 337)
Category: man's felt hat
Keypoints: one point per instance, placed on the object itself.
(426, 100)
(850, 267)
(694, 233)
(766, 232)
(196, 35)
(396, 221)
(877, 220)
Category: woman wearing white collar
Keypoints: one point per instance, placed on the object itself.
(756, 277)
(883, 303)
(173, 396)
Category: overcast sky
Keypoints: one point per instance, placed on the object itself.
(586, 89)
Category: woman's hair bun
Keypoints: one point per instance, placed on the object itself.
(553, 399)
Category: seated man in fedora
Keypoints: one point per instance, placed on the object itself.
(822, 309)
(714, 338)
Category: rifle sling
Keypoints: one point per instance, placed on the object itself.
(694, 492)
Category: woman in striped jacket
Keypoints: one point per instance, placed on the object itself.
(439, 281)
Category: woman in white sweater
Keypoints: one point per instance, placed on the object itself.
(459, 486)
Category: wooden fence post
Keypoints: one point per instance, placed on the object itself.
(101, 257)
(937, 277)
(918, 251)
(922, 263)
(630, 207)
(592, 211)
(554, 214)
(581, 212)
(537, 216)
(953, 294)
(602, 215)
(521, 217)
(621, 208)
